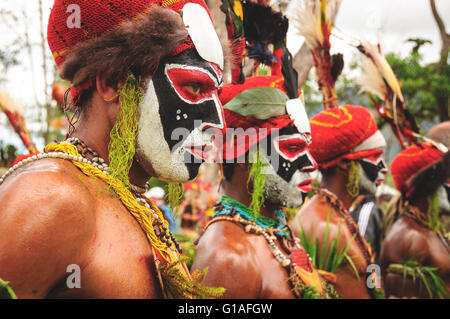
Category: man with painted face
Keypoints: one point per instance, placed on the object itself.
(415, 256)
(247, 246)
(347, 146)
(145, 78)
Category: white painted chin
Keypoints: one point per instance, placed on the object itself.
(281, 193)
(152, 150)
(444, 203)
(366, 186)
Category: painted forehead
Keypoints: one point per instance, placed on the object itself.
(374, 158)
(190, 59)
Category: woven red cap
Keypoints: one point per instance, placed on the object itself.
(411, 160)
(336, 132)
(98, 17)
(262, 127)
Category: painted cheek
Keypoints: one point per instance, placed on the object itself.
(219, 126)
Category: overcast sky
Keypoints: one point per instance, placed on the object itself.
(389, 21)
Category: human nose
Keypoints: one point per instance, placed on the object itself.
(312, 165)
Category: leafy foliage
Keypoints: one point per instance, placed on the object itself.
(421, 84)
(6, 291)
(426, 275)
(8, 153)
(335, 255)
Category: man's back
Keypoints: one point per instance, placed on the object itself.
(55, 219)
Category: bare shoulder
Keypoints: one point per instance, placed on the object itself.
(318, 217)
(47, 222)
(307, 216)
(224, 243)
(405, 240)
(47, 186)
(226, 251)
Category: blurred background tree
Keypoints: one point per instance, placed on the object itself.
(424, 88)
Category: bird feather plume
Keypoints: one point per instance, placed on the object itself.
(305, 19)
(15, 116)
(7, 104)
(379, 79)
(378, 76)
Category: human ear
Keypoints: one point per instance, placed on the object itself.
(342, 165)
(107, 92)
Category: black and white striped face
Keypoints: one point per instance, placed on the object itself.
(372, 170)
(289, 182)
(180, 106)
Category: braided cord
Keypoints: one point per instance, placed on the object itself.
(141, 213)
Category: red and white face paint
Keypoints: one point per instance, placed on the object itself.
(288, 184)
(180, 105)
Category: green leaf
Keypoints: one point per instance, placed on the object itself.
(6, 292)
(424, 281)
(325, 240)
(261, 103)
(350, 262)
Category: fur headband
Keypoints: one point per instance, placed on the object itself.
(135, 46)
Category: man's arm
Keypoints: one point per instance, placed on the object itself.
(46, 224)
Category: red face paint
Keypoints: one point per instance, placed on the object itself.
(291, 148)
(193, 85)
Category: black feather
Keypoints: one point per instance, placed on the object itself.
(290, 74)
(337, 64)
(262, 24)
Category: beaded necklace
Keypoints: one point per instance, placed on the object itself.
(160, 230)
(226, 206)
(304, 279)
(173, 275)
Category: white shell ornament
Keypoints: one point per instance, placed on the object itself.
(202, 33)
(296, 110)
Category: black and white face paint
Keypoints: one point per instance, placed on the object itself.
(288, 184)
(372, 170)
(180, 103)
(443, 194)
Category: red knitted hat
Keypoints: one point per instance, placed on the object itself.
(98, 17)
(411, 160)
(344, 132)
(258, 113)
(88, 37)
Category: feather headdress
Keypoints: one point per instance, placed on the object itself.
(379, 79)
(14, 113)
(313, 20)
